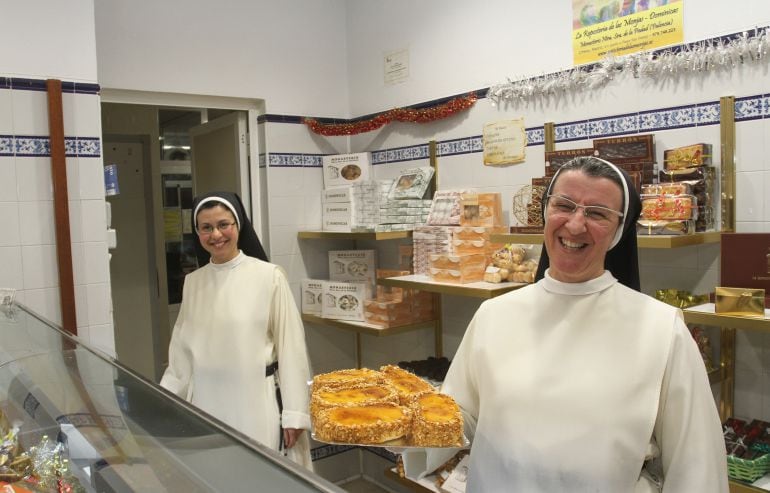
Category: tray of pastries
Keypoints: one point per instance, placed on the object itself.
(390, 407)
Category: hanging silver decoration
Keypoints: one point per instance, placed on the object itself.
(703, 56)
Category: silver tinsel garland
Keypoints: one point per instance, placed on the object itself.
(704, 56)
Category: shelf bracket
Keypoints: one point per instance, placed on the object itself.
(549, 135)
(727, 362)
(727, 174)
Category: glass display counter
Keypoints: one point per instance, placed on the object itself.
(115, 431)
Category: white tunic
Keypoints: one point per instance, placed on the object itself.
(236, 318)
(568, 387)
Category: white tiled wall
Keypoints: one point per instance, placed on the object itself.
(28, 242)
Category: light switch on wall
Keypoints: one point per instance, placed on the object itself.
(112, 238)
(108, 213)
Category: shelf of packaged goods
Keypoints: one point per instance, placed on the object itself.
(741, 487)
(346, 235)
(365, 328)
(643, 241)
(472, 289)
(705, 315)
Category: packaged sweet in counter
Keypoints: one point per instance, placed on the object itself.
(687, 156)
(685, 174)
(675, 227)
(411, 183)
(665, 207)
(482, 209)
(634, 148)
(446, 208)
(670, 188)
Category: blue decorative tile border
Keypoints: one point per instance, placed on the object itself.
(21, 84)
(37, 146)
(292, 160)
(700, 114)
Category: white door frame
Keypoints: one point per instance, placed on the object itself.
(254, 108)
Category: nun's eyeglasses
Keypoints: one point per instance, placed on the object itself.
(207, 229)
(562, 206)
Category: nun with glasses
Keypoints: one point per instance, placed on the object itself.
(580, 382)
(238, 346)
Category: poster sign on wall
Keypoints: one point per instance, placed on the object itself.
(396, 66)
(620, 27)
(504, 142)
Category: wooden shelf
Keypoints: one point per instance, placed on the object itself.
(705, 315)
(643, 241)
(365, 328)
(344, 235)
(740, 487)
(472, 289)
(665, 241)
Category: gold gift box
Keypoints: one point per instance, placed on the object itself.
(743, 302)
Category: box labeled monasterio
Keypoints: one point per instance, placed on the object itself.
(745, 262)
(312, 299)
(354, 266)
(343, 300)
(346, 169)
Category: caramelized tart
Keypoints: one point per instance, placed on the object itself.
(407, 384)
(375, 423)
(346, 378)
(357, 395)
(437, 421)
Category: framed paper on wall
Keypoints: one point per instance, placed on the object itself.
(504, 142)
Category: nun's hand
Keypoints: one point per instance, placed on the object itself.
(290, 436)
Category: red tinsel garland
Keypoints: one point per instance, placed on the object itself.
(422, 115)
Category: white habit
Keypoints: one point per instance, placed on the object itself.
(235, 319)
(569, 387)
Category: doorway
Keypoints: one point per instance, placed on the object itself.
(152, 214)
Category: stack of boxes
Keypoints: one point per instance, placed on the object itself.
(678, 199)
(394, 307)
(635, 154)
(682, 202)
(349, 201)
(403, 207)
(351, 208)
(459, 254)
(351, 293)
(351, 282)
(691, 167)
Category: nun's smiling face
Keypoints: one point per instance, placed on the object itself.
(577, 241)
(218, 233)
